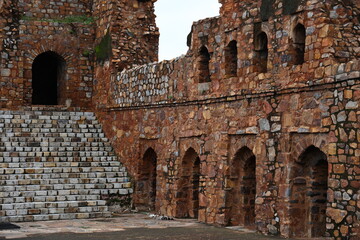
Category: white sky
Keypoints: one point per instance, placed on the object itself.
(174, 19)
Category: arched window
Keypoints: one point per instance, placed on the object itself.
(299, 35)
(261, 52)
(203, 65)
(231, 59)
(48, 76)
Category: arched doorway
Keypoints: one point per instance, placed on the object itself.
(48, 75)
(240, 198)
(187, 196)
(146, 183)
(308, 199)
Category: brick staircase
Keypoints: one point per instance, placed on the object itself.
(56, 164)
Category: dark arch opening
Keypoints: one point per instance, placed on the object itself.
(261, 52)
(188, 187)
(146, 183)
(203, 65)
(308, 199)
(299, 36)
(48, 75)
(241, 190)
(231, 59)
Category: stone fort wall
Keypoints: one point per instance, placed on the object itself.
(257, 125)
(199, 122)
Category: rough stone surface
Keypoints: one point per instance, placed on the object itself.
(300, 121)
(261, 132)
(57, 165)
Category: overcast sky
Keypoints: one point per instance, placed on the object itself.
(174, 19)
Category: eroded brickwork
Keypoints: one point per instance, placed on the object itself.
(85, 35)
(290, 104)
(257, 125)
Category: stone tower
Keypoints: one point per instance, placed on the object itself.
(74, 39)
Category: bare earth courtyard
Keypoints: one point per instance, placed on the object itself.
(126, 226)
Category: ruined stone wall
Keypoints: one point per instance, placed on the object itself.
(88, 36)
(280, 115)
(65, 28)
(144, 85)
(9, 34)
(276, 126)
(126, 36)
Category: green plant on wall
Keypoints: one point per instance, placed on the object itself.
(83, 19)
(103, 50)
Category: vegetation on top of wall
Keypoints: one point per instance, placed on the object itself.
(69, 19)
(103, 50)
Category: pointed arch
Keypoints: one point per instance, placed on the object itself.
(261, 52)
(299, 35)
(203, 65)
(308, 198)
(48, 78)
(187, 196)
(231, 59)
(241, 191)
(145, 189)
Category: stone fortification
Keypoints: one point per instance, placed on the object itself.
(74, 39)
(258, 124)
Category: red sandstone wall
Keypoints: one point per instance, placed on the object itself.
(134, 39)
(277, 114)
(66, 29)
(276, 126)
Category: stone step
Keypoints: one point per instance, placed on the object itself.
(93, 194)
(52, 121)
(53, 176)
(47, 217)
(13, 157)
(71, 183)
(44, 141)
(57, 151)
(56, 165)
(40, 196)
(94, 137)
(42, 130)
(61, 178)
(25, 114)
(52, 204)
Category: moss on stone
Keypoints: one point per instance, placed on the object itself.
(267, 9)
(83, 19)
(290, 6)
(103, 49)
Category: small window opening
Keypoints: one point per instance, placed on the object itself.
(262, 52)
(203, 65)
(231, 59)
(299, 44)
